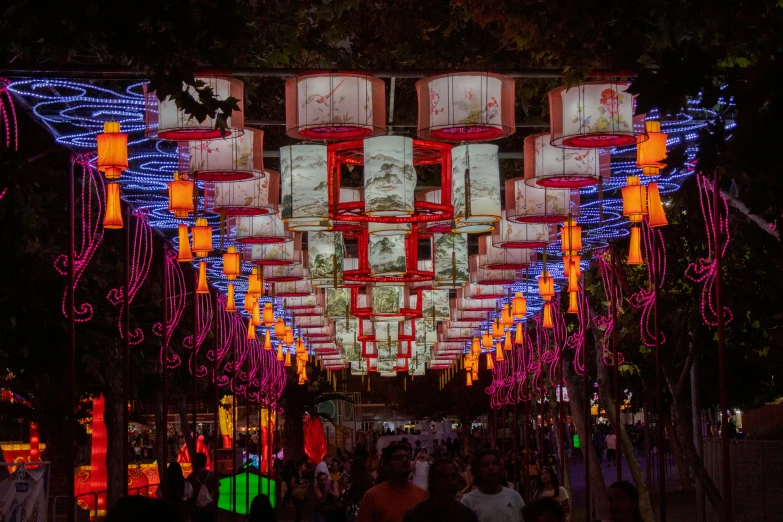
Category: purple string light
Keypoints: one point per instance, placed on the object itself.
(644, 299)
(7, 109)
(91, 217)
(176, 306)
(606, 322)
(576, 341)
(203, 325)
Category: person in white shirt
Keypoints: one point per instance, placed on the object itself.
(611, 448)
(323, 466)
(492, 502)
(420, 468)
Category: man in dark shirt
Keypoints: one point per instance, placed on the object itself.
(441, 506)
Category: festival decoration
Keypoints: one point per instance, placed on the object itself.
(508, 234)
(225, 159)
(185, 255)
(466, 106)
(202, 287)
(112, 151)
(307, 207)
(656, 215)
(651, 153)
(592, 115)
(450, 254)
(164, 119)
(644, 298)
(533, 204)
(634, 199)
(558, 168)
(475, 188)
(635, 247)
(389, 176)
(232, 266)
(113, 218)
(231, 306)
(202, 238)
(244, 198)
(268, 228)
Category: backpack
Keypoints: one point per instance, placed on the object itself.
(203, 499)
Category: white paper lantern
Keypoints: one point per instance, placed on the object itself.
(275, 273)
(325, 258)
(268, 228)
(389, 176)
(475, 187)
(508, 234)
(224, 159)
(335, 106)
(559, 168)
(244, 198)
(592, 115)
(474, 291)
(526, 204)
(388, 229)
(450, 254)
(285, 253)
(338, 302)
(435, 305)
(484, 276)
(498, 258)
(164, 120)
(304, 179)
(387, 256)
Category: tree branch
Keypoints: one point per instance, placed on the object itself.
(766, 226)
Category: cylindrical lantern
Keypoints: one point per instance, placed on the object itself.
(268, 228)
(202, 238)
(573, 303)
(497, 329)
(519, 335)
(251, 330)
(164, 120)
(185, 255)
(267, 341)
(305, 166)
(225, 159)
(232, 265)
(573, 278)
(288, 338)
(499, 352)
(244, 198)
(496, 258)
(634, 200)
(546, 286)
(490, 362)
(507, 346)
(592, 115)
(387, 255)
(275, 254)
(389, 176)
(255, 283)
(181, 196)
(526, 204)
(508, 234)
(558, 168)
(450, 253)
(635, 247)
(113, 217)
(335, 106)
(475, 187)
(547, 321)
(388, 229)
(256, 313)
(657, 215)
(570, 237)
(466, 106)
(268, 315)
(325, 258)
(651, 153)
(202, 287)
(506, 316)
(519, 305)
(231, 305)
(112, 150)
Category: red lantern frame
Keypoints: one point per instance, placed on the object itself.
(363, 274)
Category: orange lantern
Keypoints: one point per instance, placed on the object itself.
(499, 352)
(573, 278)
(256, 315)
(279, 355)
(269, 315)
(255, 286)
(181, 196)
(113, 217)
(486, 340)
(546, 286)
(572, 260)
(202, 287)
(570, 237)
(202, 238)
(468, 380)
(635, 248)
(519, 336)
(251, 330)
(468, 363)
(490, 362)
(547, 322)
(184, 255)
(657, 216)
(112, 150)
(506, 317)
(650, 154)
(267, 340)
(573, 303)
(497, 329)
(279, 328)
(231, 305)
(232, 266)
(289, 335)
(507, 341)
(475, 346)
(249, 303)
(288, 359)
(519, 305)
(634, 199)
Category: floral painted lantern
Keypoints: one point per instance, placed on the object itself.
(481, 275)
(450, 254)
(475, 187)
(305, 165)
(265, 254)
(559, 168)
(224, 159)
(592, 115)
(466, 106)
(335, 106)
(164, 120)
(508, 234)
(268, 228)
(496, 258)
(389, 176)
(526, 204)
(244, 198)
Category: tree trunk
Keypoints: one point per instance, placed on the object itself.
(161, 440)
(465, 424)
(606, 397)
(598, 491)
(555, 413)
(685, 482)
(116, 433)
(190, 441)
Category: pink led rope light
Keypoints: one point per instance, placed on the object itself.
(703, 269)
(644, 299)
(559, 338)
(576, 341)
(536, 364)
(224, 337)
(605, 322)
(91, 217)
(203, 325)
(7, 109)
(175, 284)
(141, 260)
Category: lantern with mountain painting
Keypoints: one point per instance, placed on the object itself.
(475, 187)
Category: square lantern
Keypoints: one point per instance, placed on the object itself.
(224, 159)
(305, 166)
(251, 197)
(165, 121)
(526, 204)
(592, 115)
(450, 253)
(475, 187)
(466, 106)
(389, 176)
(335, 106)
(558, 168)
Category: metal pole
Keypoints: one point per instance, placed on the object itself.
(126, 351)
(71, 405)
(260, 445)
(587, 441)
(516, 446)
(165, 362)
(561, 425)
(658, 394)
(216, 412)
(247, 437)
(195, 363)
(724, 428)
(234, 433)
(616, 371)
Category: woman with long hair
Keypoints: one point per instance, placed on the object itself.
(624, 502)
(548, 486)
